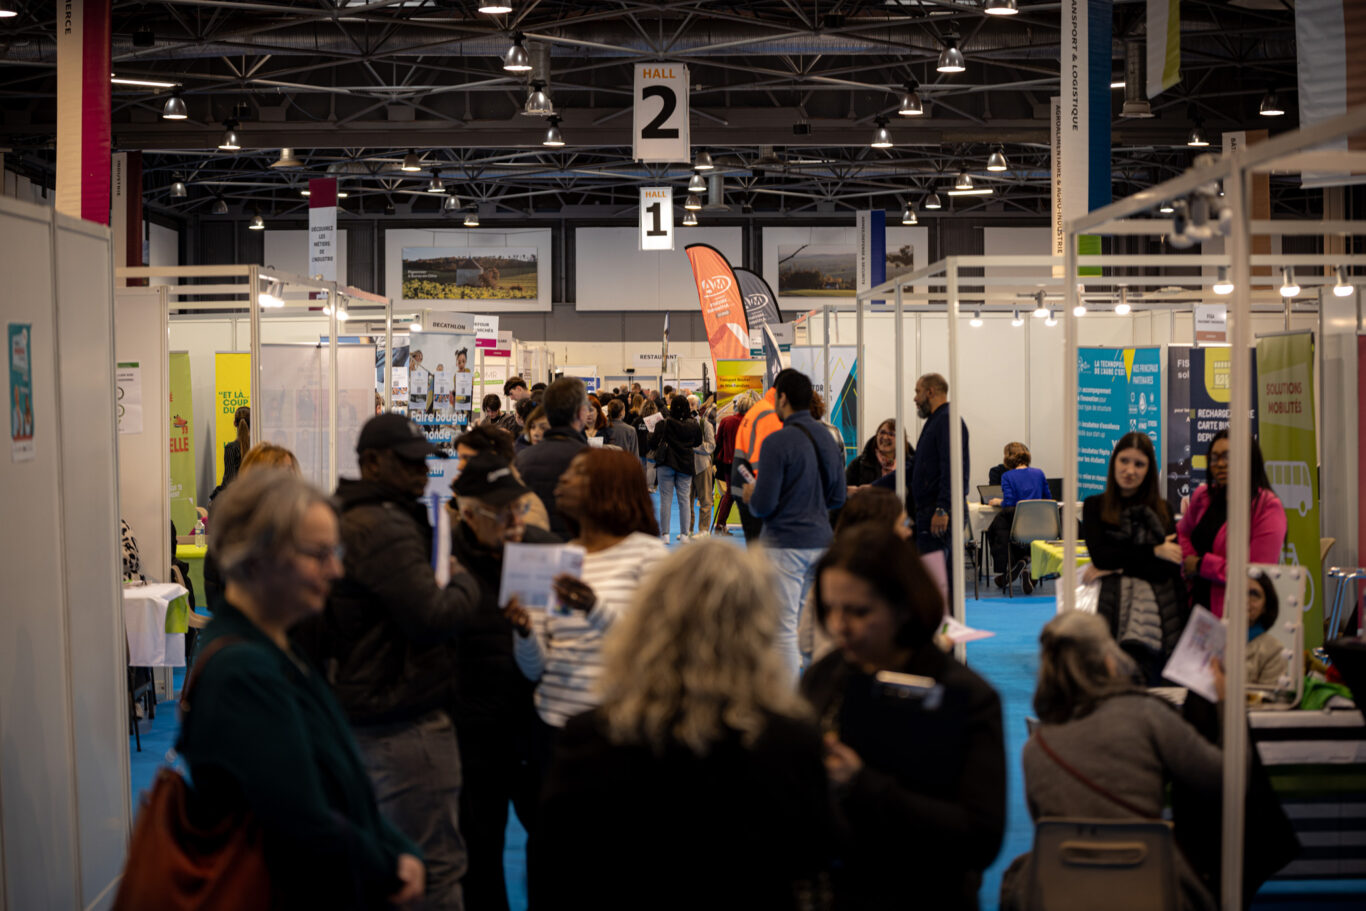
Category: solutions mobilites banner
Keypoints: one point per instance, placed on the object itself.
(723, 309)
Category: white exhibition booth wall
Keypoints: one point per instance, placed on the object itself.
(64, 800)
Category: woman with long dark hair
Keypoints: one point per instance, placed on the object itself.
(1132, 541)
(1203, 531)
(234, 451)
(672, 442)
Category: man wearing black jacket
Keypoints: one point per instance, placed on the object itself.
(494, 714)
(930, 487)
(566, 407)
(385, 642)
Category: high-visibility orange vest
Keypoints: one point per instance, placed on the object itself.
(761, 420)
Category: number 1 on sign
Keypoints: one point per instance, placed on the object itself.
(655, 231)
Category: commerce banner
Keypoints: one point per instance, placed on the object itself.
(1285, 402)
(1197, 409)
(723, 310)
(182, 463)
(841, 405)
(84, 102)
(734, 376)
(231, 390)
(1118, 390)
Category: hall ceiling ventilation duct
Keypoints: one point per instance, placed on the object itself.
(716, 194)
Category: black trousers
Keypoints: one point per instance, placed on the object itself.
(497, 771)
(998, 539)
(751, 523)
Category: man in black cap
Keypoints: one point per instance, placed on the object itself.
(493, 711)
(566, 407)
(385, 642)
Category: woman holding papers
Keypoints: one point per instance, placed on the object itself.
(914, 746)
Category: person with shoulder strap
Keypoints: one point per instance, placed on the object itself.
(758, 423)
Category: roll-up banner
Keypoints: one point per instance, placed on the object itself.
(841, 400)
(736, 376)
(232, 390)
(1285, 403)
(1118, 390)
(84, 101)
(1197, 409)
(723, 310)
(183, 474)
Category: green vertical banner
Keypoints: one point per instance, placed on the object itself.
(1285, 406)
(182, 445)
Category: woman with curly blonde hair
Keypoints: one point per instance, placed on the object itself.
(698, 748)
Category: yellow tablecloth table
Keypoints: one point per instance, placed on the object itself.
(194, 556)
(1045, 558)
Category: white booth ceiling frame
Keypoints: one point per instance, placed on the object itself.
(1286, 152)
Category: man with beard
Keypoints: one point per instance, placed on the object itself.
(930, 480)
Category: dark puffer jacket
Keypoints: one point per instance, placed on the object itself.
(541, 466)
(673, 442)
(867, 468)
(384, 640)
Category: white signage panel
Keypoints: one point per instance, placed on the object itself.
(660, 126)
(656, 218)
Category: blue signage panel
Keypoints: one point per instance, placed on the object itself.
(1118, 390)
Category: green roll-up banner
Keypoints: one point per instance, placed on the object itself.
(182, 445)
(1285, 406)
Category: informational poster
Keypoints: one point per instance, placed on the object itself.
(128, 396)
(736, 376)
(1118, 390)
(1197, 409)
(1285, 403)
(486, 331)
(1211, 324)
(232, 390)
(841, 403)
(21, 393)
(441, 389)
(184, 474)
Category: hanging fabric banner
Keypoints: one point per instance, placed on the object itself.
(1118, 390)
(1164, 45)
(1332, 81)
(232, 390)
(1285, 403)
(182, 463)
(322, 229)
(872, 250)
(84, 53)
(723, 310)
(1083, 142)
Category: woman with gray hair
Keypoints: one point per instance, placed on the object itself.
(262, 733)
(699, 748)
(1104, 748)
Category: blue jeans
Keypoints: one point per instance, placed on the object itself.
(672, 483)
(796, 571)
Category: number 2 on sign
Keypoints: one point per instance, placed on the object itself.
(654, 129)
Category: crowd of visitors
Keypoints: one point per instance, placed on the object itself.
(776, 726)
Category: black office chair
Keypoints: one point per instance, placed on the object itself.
(1035, 520)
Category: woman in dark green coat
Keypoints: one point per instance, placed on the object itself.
(263, 731)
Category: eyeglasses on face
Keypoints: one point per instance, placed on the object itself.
(503, 516)
(324, 553)
(1218, 458)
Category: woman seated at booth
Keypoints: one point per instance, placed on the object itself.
(1203, 531)
(1020, 481)
(914, 745)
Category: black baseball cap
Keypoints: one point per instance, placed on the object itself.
(397, 433)
(489, 478)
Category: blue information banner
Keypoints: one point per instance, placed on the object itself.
(1118, 390)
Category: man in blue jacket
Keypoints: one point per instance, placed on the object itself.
(799, 479)
(930, 470)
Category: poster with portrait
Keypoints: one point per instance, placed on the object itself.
(440, 370)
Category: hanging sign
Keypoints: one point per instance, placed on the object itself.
(1211, 324)
(660, 130)
(656, 218)
(485, 331)
(322, 228)
(84, 102)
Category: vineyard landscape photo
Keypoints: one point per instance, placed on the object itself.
(469, 273)
(830, 270)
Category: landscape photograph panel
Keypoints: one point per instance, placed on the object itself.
(830, 270)
(469, 273)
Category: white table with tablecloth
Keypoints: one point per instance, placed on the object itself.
(145, 608)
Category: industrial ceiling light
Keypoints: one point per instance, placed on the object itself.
(1196, 139)
(553, 138)
(1079, 310)
(697, 184)
(703, 161)
(1166, 208)
(1342, 288)
(436, 184)
(1289, 287)
(257, 223)
(690, 219)
(1271, 105)
(142, 83)
(1222, 284)
(472, 220)
(693, 203)
(911, 105)
(1000, 7)
(1122, 308)
(908, 216)
(538, 102)
(412, 163)
(287, 160)
(963, 181)
(976, 321)
(1052, 319)
(932, 202)
(1040, 311)
(1017, 321)
(231, 142)
(220, 207)
(450, 204)
(178, 190)
(996, 161)
(7, 9)
(882, 137)
(515, 58)
(415, 324)
(495, 8)
(305, 193)
(951, 58)
(174, 108)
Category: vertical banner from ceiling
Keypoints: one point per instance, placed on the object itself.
(125, 211)
(182, 462)
(872, 250)
(232, 390)
(723, 310)
(1285, 406)
(1084, 121)
(1332, 81)
(83, 109)
(656, 218)
(322, 228)
(1118, 390)
(1164, 45)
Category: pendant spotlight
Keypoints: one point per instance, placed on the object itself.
(697, 184)
(231, 142)
(1052, 319)
(963, 181)
(1122, 308)
(538, 102)
(976, 321)
(996, 161)
(415, 324)
(495, 8)
(908, 216)
(553, 138)
(451, 204)
(1196, 139)
(1079, 310)
(1271, 105)
(703, 161)
(693, 202)
(436, 185)
(1342, 288)
(1222, 284)
(911, 105)
(257, 223)
(1166, 208)
(178, 190)
(515, 58)
(951, 58)
(1017, 321)
(1000, 7)
(174, 109)
(882, 137)
(932, 202)
(287, 160)
(472, 220)
(1040, 311)
(1289, 287)
(412, 163)
(690, 219)
(220, 207)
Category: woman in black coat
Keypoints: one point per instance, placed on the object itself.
(878, 457)
(672, 442)
(918, 769)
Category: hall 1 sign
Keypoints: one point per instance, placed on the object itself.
(660, 128)
(656, 218)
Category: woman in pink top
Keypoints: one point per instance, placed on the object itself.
(1203, 530)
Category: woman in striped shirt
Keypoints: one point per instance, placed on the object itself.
(603, 498)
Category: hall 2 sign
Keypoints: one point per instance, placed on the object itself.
(656, 218)
(660, 129)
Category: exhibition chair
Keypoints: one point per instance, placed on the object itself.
(1132, 863)
(1035, 520)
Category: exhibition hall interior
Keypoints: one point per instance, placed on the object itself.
(532, 454)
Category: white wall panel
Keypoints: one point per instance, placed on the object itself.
(163, 249)
(287, 251)
(610, 273)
